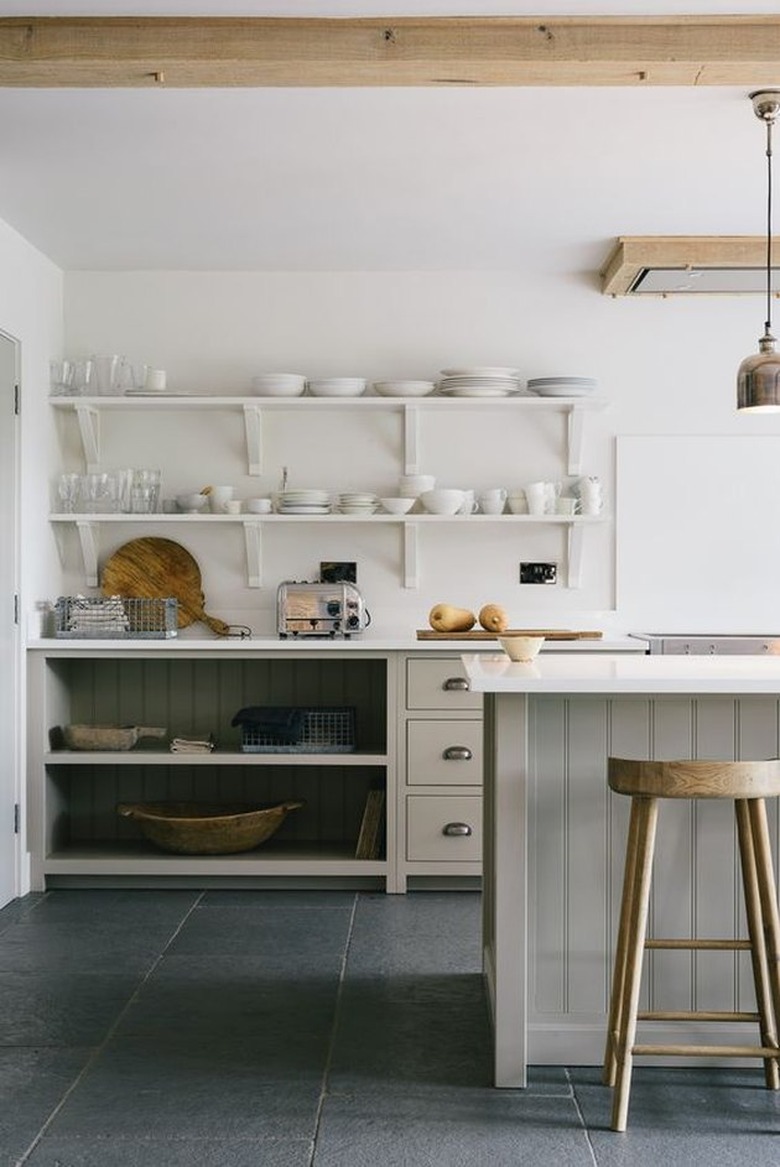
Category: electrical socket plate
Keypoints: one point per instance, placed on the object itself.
(538, 573)
(332, 572)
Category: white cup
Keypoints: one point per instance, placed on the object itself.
(518, 504)
(233, 506)
(491, 502)
(590, 506)
(469, 505)
(156, 380)
(413, 485)
(567, 506)
(218, 496)
(258, 506)
(536, 497)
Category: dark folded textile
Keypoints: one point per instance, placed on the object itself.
(277, 721)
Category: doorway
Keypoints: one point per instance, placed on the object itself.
(9, 609)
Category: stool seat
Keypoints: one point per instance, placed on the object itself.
(747, 785)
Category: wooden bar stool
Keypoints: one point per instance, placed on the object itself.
(748, 784)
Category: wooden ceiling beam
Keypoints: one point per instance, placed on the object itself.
(106, 52)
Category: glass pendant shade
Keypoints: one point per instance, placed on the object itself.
(758, 379)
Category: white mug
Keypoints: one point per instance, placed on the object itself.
(536, 497)
(156, 380)
(491, 502)
(469, 505)
(567, 506)
(218, 496)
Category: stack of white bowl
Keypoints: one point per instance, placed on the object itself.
(304, 502)
(279, 384)
(338, 387)
(355, 503)
(562, 386)
(403, 388)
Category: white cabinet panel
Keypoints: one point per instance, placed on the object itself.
(439, 684)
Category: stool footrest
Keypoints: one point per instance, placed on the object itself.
(715, 1051)
(696, 1015)
(715, 945)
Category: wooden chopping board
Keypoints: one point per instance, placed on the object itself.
(481, 634)
(154, 569)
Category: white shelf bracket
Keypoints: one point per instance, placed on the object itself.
(411, 440)
(576, 537)
(253, 423)
(88, 537)
(89, 428)
(576, 426)
(411, 566)
(253, 538)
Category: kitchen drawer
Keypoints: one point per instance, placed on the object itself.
(444, 753)
(439, 684)
(442, 829)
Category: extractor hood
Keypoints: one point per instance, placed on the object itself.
(664, 265)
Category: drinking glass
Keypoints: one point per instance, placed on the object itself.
(61, 375)
(100, 492)
(68, 491)
(147, 480)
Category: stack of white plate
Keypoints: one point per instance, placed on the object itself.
(304, 502)
(338, 387)
(279, 384)
(562, 386)
(480, 381)
(403, 388)
(355, 503)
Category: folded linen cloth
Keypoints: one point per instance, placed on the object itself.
(188, 745)
(90, 615)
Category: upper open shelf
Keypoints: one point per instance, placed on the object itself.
(89, 409)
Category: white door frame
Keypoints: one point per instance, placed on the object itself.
(10, 633)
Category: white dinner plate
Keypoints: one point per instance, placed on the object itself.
(481, 371)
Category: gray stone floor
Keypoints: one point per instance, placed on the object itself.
(305, 1029)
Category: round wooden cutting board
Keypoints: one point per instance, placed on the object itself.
(155, 569)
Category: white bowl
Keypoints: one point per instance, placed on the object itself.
(279, 384)
(191, 504)
(397, 506)
(259, 506)
(521, 648)
(442, 502)
(404, 388)
(338, 387)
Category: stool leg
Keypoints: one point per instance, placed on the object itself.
(615, 1021)
(647, 819)
(768, 896)
(757, 940)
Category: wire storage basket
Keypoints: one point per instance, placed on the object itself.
(115, 618)
(293, 730)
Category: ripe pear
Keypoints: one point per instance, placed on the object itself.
(493, 618)
(446, 618)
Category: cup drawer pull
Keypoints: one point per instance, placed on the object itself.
(455, 684)
(456, 829)
(457, 754)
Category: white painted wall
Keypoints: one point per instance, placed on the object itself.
(668, 366)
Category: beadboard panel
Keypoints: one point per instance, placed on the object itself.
(577, 845)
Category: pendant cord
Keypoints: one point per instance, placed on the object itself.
(768, 324)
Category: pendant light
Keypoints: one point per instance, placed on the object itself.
(758, 380)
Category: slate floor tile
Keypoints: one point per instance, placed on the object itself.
(32, 1083)
(237, 1087)
(304, 941)
(60, 1009)
(175, 1152)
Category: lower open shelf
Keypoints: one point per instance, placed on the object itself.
(273, 858)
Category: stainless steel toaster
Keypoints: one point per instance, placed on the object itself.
(319, 609)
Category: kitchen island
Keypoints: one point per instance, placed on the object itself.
(554, 840)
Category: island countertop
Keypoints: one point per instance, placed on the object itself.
(610, 673)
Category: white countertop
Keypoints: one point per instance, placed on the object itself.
(366, 642)
(623, 673)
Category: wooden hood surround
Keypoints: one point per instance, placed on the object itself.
(431, 51)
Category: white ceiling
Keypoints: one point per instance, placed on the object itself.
(372, 178)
